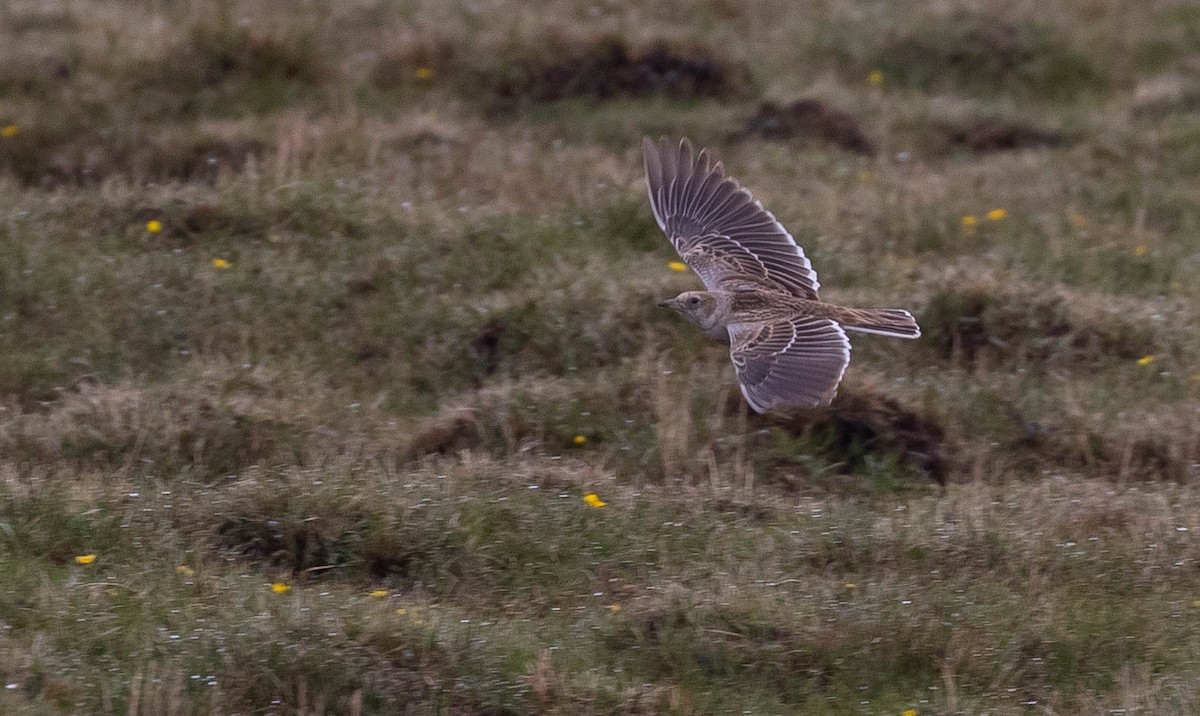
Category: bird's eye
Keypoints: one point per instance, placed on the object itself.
(694, 301)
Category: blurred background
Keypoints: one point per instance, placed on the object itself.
(332, 380)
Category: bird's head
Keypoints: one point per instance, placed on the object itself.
(699, 307)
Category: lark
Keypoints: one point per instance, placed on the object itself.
(789, 348)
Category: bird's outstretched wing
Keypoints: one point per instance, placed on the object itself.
(790, 363)
(718, 228)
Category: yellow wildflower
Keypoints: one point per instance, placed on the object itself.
(1145, 360)
(615, 608)
(423, 73)
(968, 223)
(996, 214)
(185, 570)
(594, 500)
(378, 593)
(1140, 250)
(154, 226)
(677, 266)
(221, 263)
(910, 712)
(875, 78)
(401, 611)
(579, 439)
(10, 130)
(851, 585)
(85, 558)
(280, 587)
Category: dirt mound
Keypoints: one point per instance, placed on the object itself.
(273, 542)
(860, 426)
(443, 435)
(275, 535)
(808, 119)
(996, 135)
(609, 68)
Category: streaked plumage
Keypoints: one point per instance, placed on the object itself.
(787, 346)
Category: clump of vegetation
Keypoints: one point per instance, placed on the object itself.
(981, 54)
(987, 324)
(1132, 452)
(101, 428)
(230, 69)
(810, 120)
(78, 148)
(860, 432)
(997, 135)
(420, 63)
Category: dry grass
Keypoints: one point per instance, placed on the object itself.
(358, 300)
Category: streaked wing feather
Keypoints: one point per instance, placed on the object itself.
(791, 363)
(693, 202)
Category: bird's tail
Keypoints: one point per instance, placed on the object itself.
(893, 322)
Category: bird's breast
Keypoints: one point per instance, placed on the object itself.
(720, 333)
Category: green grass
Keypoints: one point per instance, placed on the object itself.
(396, 325)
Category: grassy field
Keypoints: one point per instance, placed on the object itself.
(332, 381)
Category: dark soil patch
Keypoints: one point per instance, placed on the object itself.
(745, 510)
(995, 135)
(202, 158)
(304, 546)
(34, 77)
(982, 326)
(860, 426)
(78, 153)
(609, 68)
(808, 119)
(444, 435)
(485, 346)
(227, 52)
(202, 219)
(336, 542)
(273, 542)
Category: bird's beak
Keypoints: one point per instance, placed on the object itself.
(665, 304)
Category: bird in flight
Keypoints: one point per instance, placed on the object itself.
(788, 347)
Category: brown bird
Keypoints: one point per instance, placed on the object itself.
(787, 346)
